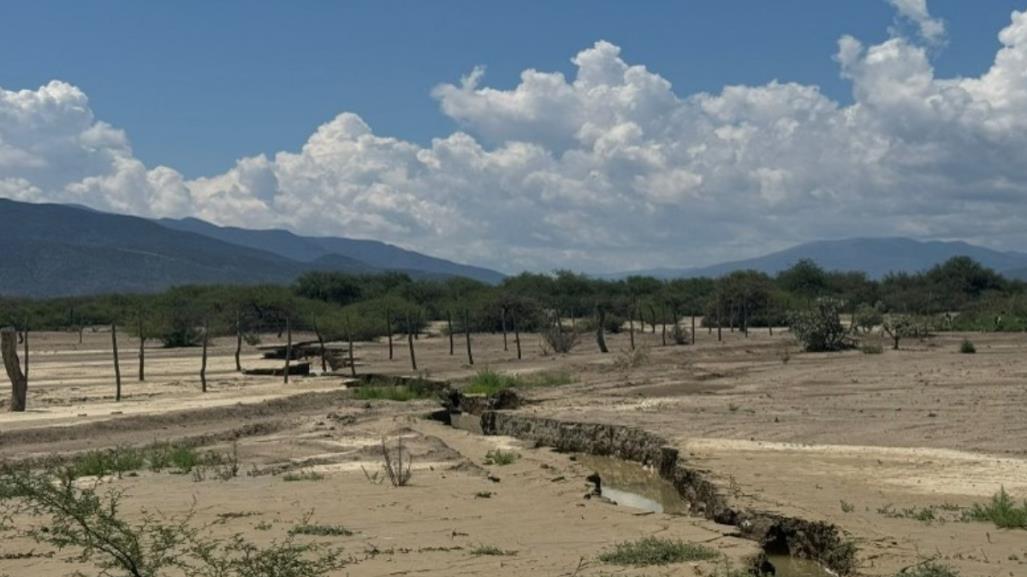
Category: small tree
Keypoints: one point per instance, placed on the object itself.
(820, 328)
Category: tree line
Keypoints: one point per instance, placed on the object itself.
(337, 306)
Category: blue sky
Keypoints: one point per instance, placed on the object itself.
(593, 135)
(198, 84)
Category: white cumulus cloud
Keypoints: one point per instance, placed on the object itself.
(607, 168)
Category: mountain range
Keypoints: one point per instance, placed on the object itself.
(60, 250)
(875, 256)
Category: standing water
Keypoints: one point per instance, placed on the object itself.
(631, 485)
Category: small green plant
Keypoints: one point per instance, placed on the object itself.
(501, 457)
(1003, 511)
(847, 507)
(303, 476)
(656, 551)
(967, 347)
(491, 550)
(483, 495)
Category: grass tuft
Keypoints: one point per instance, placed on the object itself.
(501, 457)
(929, 569)
(320, 530)
(656, 551)
(967, 347)
(491, 550)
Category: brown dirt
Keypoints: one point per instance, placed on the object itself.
(920, 427)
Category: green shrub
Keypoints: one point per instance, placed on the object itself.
(1003, 511)
(656, 551)
(967, 347)
(820, 329)
(491, 550)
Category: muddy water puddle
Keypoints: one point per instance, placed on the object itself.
(631, 485)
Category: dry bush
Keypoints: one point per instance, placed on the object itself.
(559, 340)
(396, 470)
(631, 358)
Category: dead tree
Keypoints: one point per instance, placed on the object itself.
(117, 366)
(142, 349)
(467, 336)
(203, 363)
(449, 329)
(631, 327)
(517, 334)
(410, 343)
(600, 324)
(19, 382)
(388, 330)
(238, 342)
(502, 322)
(652, 315)
(288, 348)
(719, 307)
(693, 329)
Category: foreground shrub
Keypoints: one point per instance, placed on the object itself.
(820, 329)
(90, 524)
(656, 551)
(559, 339)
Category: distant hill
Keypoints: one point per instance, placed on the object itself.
(51, 250)
(374, 253)
(875, 256)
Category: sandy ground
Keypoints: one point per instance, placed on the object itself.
(846, 437)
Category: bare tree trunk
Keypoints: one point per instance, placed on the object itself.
(349, 339)
(203, 364)
(502, 321)
(745, 320)
(517, 335)
(720, 306)
(238, 342)
(288, 348)
(142, 350)
(80, 335)
(652, 314)
(663, 324)
(321, 345)
(25, 342)
(467, 335)
(410, 344)
(449, 329)
(600, 329)
(693, 329)
(19, 382)
(388, 329)
(117, 366)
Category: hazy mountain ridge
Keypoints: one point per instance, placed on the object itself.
(875, 256)
(59, 250)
